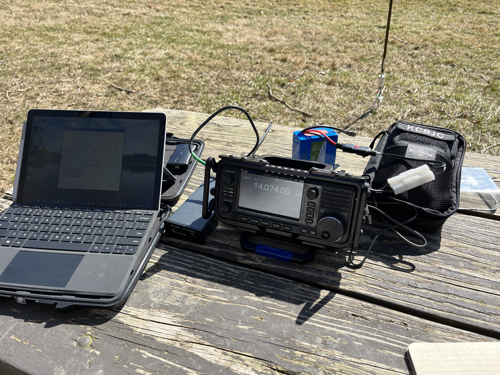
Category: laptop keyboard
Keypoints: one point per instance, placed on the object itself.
(94, 231)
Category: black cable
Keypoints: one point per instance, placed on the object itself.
(386, 36)
(403, 225)
(215, 114)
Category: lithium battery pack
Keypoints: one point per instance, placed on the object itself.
(313, 148)
(187, 221)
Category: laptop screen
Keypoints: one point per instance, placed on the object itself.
(108, 160)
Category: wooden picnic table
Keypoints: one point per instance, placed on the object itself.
(215, 308)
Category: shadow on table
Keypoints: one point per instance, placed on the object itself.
(393, 250)
(268, 278)
(33, 312)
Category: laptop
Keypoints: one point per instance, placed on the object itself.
(86, 210)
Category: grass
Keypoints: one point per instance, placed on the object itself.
(320, 56)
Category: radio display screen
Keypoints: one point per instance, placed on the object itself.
(269, 194)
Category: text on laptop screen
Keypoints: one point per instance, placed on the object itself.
(110, 162)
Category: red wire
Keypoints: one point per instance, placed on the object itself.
(324, 136)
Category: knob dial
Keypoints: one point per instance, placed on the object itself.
(228, 179)
(312, 193)
(226, 208)
(331, 228)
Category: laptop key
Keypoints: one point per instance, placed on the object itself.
(78, 238)
(3, 232)
(45, 237)
(7, 242)
(36, 220)
(78, 230)
(107, 249)
(17, 243)
(56, 237)
(129, 241)
(14, 234)
(89, 239)
(142, 226)
(35, 236)
(95, 248)
(35, 228)
(25, 227)
(136, 233)
(67, 238)
(88, 231)
(130, 225)
(4, 225)
(24, 235)
(5, 217)
(144, 219)
(100, 239)
(111, 240)
(131, 250)
(121, 232)
(49, 245)
(119, 249)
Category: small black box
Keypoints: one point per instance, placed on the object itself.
(187, 221)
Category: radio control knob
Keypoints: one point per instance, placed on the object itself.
(312, 193)
(228, 179)
(330, 228)
(226, 208)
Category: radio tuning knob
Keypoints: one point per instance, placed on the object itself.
(330, 228)
(312, 193)
(226, 207)
(228, 179)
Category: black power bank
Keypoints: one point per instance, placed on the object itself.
(187, 221)
(180, 157)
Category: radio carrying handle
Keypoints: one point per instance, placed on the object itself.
(208, 205)
(275, 253)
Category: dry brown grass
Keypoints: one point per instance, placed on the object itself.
(320, 56)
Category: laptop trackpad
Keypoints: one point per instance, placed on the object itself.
(41, 269)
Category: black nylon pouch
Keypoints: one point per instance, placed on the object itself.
(434, 201)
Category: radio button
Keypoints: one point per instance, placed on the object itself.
(265, 223)
(276, 226)
(313, 232)
(304, 230)
(311, 209)
(325, 235)
(230, 188)
(226, 208)
(244, 219)
(254, 221)
(287, 228)
(312, 193)
(310, 216)
(311, 204)
(309, 221)
(228, 179)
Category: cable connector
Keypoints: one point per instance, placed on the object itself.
(411, 179)
(381, 82)
(355, 149)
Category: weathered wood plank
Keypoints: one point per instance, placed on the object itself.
(192, 314)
